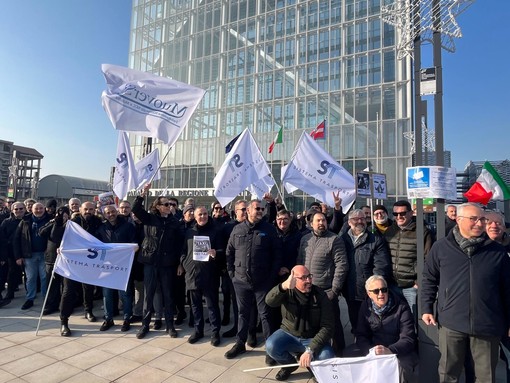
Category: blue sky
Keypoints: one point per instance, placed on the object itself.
(50, 65)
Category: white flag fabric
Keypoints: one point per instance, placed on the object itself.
(243, 167)
(260, 187)
(367, 369)
(315, 172)
(86, 259)
(147, 167)
(124, 178)
(150, 105)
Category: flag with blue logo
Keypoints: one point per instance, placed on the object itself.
(124, 177)
(312, 170)
(148, 167)
(84, 258)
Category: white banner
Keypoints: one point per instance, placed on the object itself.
(86, 259)
(315, 172)
(150, 105)
(124, 178)
(146, 167)
(368, 369)
(243, 167)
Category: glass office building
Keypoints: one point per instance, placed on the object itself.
(268, 64)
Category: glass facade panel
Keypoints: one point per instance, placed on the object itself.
(273, 63)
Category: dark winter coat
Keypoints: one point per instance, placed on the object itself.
(53, 233)
(28, 232)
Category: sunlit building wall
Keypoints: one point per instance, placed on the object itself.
(271, 64)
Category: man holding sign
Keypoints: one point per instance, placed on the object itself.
(198, 260)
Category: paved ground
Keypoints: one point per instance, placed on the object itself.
(113, 356)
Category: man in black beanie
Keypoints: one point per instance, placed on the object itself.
(51, 208)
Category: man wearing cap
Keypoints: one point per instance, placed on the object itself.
(381, 220)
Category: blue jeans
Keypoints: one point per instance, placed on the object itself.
(410, 294)
(34, 267)
(282, 347)
(127, 303)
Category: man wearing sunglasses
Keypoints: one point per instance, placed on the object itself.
(467, 273)
(401, 239)
(307, 325)
(254, 258)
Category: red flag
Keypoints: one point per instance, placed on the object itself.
(319, 131)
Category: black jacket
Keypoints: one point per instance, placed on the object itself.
(201, 275)
(394, 329)
(370, 256)
(121, 232)
(472, 291)
(23, 246)
(7, 230)
(163, 237)
(254, 254)
(54, 234)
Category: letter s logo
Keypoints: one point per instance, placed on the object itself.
(235, 161)
(122, 158)
(325, 166)
(93, 254)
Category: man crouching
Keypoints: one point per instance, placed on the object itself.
(307, 324)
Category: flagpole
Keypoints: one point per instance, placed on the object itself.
(272, 367)
(46, 296)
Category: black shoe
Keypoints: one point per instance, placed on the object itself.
(49, 310)
(270, 361)
(285, 372)
(106, 325)
(90, 317)
(195, 337)
(142, 332)
(171, 331)
(215, 339)
(252, 340)
(65, 330)
(135, 318)
(157, 324)
(4, 302)
(226, 320)
(180, 318)
(237, 349)
(125, 326)
(28, 303)
(230, 333)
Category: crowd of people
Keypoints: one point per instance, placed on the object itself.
(281, 274)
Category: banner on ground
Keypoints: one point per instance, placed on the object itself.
(315, 172)
(243, 167)
(84, 258)
(368, 369)
(146, 104)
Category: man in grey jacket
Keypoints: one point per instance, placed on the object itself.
(323, 253)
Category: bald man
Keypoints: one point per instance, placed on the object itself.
(307, 326)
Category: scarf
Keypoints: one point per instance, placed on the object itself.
(380, 311)
(302, 320)
(467, 245)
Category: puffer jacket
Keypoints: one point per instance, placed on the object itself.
(326, 258)
(402, 243)
(369, 256)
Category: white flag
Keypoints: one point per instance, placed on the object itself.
(260, 187)
(147, 167)
(243, 166)
(124, 178)
(150, 105)
(315, 172)
(367, 369)
(86, 259)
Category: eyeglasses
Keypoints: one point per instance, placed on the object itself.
(19, 208)
(379, 213)
(217, 208)
(282, 219)
(167, 204)
(475, 219)
(242, 209)
(497, 223)
(305, 277)
(383, 290)
(360, 219)
(400, 213)
(259, 208)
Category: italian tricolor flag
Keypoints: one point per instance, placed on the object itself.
(278, 139)
(489, 185)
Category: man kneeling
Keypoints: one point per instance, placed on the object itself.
(307, 324)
